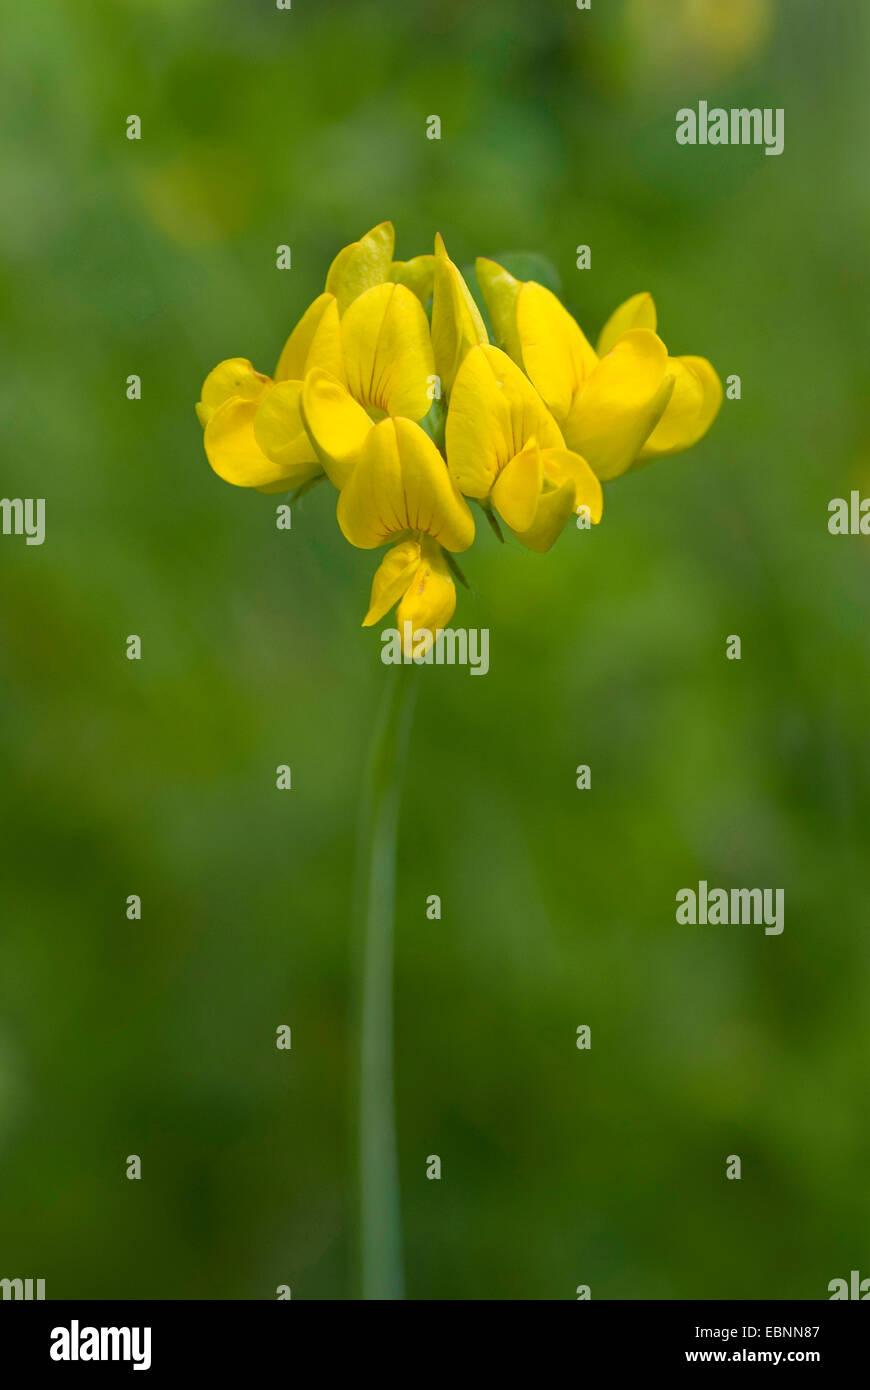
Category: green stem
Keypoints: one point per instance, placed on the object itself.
(380, 1222)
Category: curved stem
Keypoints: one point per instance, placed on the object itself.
(380, 1223)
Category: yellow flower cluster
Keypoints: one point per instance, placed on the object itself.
(390, 387)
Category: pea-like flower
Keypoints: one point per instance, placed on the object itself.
(252, 428)
(368, 329)
(504, 446)
(619, 406)
(400, 494)
(390, 387)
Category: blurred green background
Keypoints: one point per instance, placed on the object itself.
(157, 777)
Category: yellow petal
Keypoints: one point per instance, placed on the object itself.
(314, 342)
(562, 465)
(500, 293)
(691, 410)
(494, 412)
(416, 274)
(388, 353)
(456, 321)
(400, 484)
(234, 377)
(637, 312)
(337, 425)
(556, 353)
(555, 505)
(392, 578)
(361, 265)
(429, 602)
(232, 448)
(620, 404)
(281, 434)
(517, 489)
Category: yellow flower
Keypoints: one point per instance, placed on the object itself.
(503, 444)
(400, 494)
(414, 574)
(368, 330)
(456, 321)
(254, 435)
(530, 432)
(619, 406)
(388, 371)
(361, 265)
(369, 262)
(697, 393)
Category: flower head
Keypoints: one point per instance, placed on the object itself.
(390, 387)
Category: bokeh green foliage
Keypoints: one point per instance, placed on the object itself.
(306, 127)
